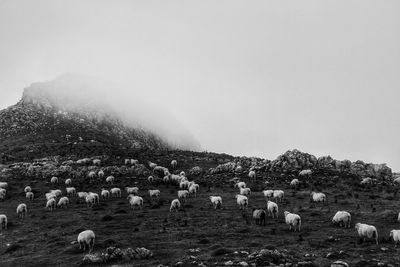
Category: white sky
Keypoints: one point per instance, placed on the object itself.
(245, 77)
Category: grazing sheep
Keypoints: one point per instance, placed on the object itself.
(268, 193)
(91, 174)
(29, 195)
(174, 163)
(86, 238)
(90, 200)
(127, 161)
(183, 194)
(245, 191)
(27, 189)
(259, 216)
(96, 162)
(132, 190)
(22, 210)
(100, 174)
(342, 217)
(115, 192)
(279, 195)
(51, 204)
(95, 196)
(82, 195)
(366, 231)
(295, 183)
(110, 179)
(184, 185)
(252, 175)
(293, 220)
(136, 201)
(54, 180)
(105, 193)
(71, 191)
(193, 190)
(50, 196)
(216, 201)
(240, 185)
(151, 178)
(305, 173)
(395, 234)
(3, 221)
(3, 184)
(56, 192)
(63, 202)
(272, 208)
(154, 194)
(242, 201)
(318, 197)
(68, 182)
(175, 205)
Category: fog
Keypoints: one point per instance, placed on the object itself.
(251, 78)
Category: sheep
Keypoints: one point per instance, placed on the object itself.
(182, 173)
(242, 201)
(366, 231)
(68, 182)
(318, 197)
(71, 191)
(268, 193)
(245, 191)
(259, 216)
(50, 196)
(184, 185)
(95, 196)
(193, 190)
(272, 208)
(293, 220)
(175, 205)
(86, 238)
(305, 173)
(29, 195)
(91, 174)
(150, 179)
(279, 195)
(63, 202)
(152, 165)
(154, 194)
(240, 185)
(395, 234)
(56, 192)
(27, 189)
(82, 195)
(252, 175)
(54, 180)
(96, 162)
(105, 193)
(183, 194)
(22, 210)
(134, 162)
(216, 201)
(90, 200)
(100, 174)
(136, 201)
(174, 163)
(110, 179)
(51, 204)
(132, 190)
(366, 181)
(3, 221)
(342, 217)
(3, 184)
(295, 183)
(115, 192)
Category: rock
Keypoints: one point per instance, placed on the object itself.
(195, 171)
(92, 258)
(243, 263)
(306, 264)
(339, 264)
(228, 263)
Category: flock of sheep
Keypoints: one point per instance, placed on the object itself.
(186, 189)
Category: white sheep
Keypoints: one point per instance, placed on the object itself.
(132, 190)
(136, 201)
(50, 196)
(96, 162)
(183, 194)
(342, 217)
(252, 175)
(3, 184)
(259, 216)
(242, 201)
(68, 181)
(82, 195)
(318, 197)
(366, 181)
(56, 192)
(86, 238)
(115, 192)
(54, 180)
(240, 185)
(279, 195)
(105, 193)
(184, 185)
(22, 210)
(27, 189)
(395, 234)
(127, 161)
(245, 191)
(71, 191)
(134, 161)
(193, 190)
(51, 204)
(63, 202)
(294, 183)
(29, 195)
(174, 163)
(268, 193)
(175, 205)
(3, 221)
(293, 220)
(154, 194)
(216, 201)
(91, 174)
(152, 165)
(110, 179)
(367, 231)
(100, 174)
(182, 173)
(272, 208)
(90, 200)
(305, 173)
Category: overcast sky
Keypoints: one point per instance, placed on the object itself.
(245, 77)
